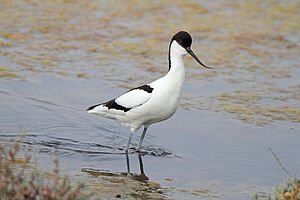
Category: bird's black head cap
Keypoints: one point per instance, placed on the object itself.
(183, 38)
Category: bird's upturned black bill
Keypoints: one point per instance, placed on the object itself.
(189, 50)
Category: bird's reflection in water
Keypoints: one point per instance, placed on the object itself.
(138, 177)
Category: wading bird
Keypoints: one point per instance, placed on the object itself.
(153, 102)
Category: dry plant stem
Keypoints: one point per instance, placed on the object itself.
(280, 164)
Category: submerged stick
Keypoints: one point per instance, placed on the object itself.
(280, 164)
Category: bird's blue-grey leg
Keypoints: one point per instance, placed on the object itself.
(128, 164)
(141, 164)
(142, 138)
(129, 140)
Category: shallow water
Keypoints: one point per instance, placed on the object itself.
(193, 151)
(59, 57)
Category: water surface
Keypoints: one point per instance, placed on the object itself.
(193, 151)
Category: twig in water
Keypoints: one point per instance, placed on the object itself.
(280, 164)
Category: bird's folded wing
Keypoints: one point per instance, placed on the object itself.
(133, 98)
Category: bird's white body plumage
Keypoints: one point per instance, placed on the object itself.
(156, 101)
(147, 108)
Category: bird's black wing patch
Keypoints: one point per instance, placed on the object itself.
(92, 107)
(111, 105)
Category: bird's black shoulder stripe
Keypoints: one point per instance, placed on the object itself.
(111, 105)
(146, 88)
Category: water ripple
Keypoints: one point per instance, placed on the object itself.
(66, 146)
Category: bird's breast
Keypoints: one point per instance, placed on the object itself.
(164, 102)
(164, 99)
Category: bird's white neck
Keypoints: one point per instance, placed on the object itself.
(176, 62)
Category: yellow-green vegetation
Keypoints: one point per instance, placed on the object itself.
(245, 106)
(19, 179)
(240, 97)
(6, 73)
(289, 190)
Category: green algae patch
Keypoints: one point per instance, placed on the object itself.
(6, 73)
(241, 97)
(261, 108)
(200, 193)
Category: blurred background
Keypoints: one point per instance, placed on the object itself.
(58, 57)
